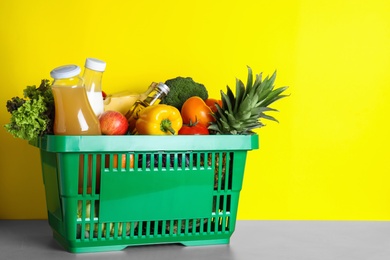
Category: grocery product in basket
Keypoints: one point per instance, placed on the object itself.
(182, 88)
(241, 113)
(195, 110)
(73, 113)
(92, 77)
(123, 101)
(154, 98)
(33, 114)
(107, 230)
(113, 123)
(159, 119)
(120, 101)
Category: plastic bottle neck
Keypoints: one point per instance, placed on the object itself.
(93, 80)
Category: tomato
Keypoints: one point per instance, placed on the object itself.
(193, 129)
(211, 103)
(194, 110)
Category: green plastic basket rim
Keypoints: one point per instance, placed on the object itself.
(129, 143)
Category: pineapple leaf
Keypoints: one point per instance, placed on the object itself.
(279, 97)
(240, 94)
(258, 110)
(220, 113)
(242, 112)
(268, 117)
(246, 106)
(249, 82)
(257, 85)
(220, 125)
(225, 125)
(259, 77)
(267, 86)
(233, 123)
(273, 96)
(226, 104)
(215, 127)
(250, 78)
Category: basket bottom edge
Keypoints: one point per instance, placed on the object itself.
(88, 248)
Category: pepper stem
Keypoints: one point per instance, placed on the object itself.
(166, 126)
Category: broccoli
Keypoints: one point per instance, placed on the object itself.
(182, 88)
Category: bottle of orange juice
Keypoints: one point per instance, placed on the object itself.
(73, 113)
(75, 116)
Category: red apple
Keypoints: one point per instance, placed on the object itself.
(113, 123)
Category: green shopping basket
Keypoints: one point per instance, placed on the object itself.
(108, 192)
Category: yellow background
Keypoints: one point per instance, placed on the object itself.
(327, 159)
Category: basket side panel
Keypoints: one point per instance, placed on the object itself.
(50, 179)
(69, 166)
(160, 191)
(238, 168)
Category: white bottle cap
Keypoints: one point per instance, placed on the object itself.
(163, 87)
(95, 64)
(66, 71)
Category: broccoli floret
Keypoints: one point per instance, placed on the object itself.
(182, 88)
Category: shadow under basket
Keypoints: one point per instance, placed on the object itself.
(105, 193)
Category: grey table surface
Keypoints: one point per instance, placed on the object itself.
(270, 240)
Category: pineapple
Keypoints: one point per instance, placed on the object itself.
(242, 113)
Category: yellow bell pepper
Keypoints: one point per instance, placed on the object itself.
(159, 119)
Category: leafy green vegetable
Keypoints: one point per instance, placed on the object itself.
(32, 115)
(14, 104)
